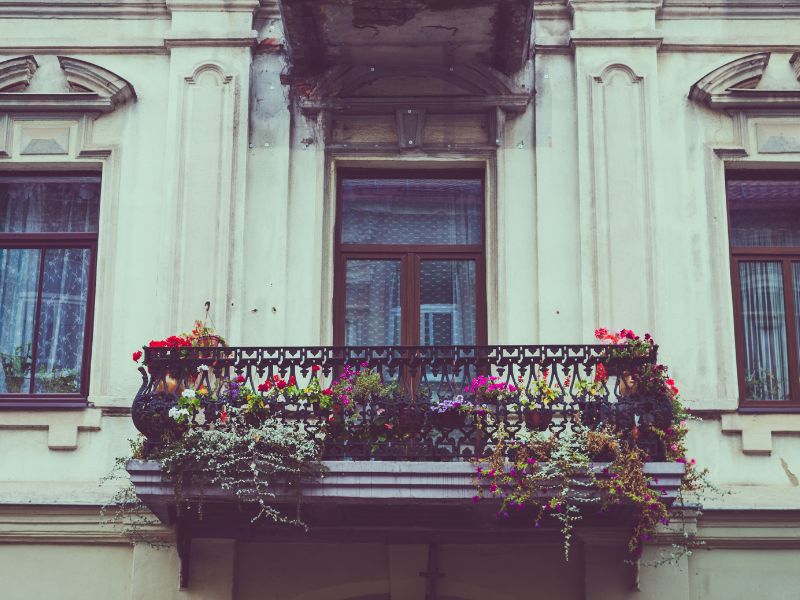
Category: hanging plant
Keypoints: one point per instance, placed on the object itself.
(254, 463)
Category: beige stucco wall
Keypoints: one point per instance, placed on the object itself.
(211, 191)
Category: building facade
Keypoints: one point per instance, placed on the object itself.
(424, 172)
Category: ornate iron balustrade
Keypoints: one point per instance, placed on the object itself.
(404, 424)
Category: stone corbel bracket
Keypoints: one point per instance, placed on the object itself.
(757, 430)
(93, 89)
(62, 427)
(734, 86)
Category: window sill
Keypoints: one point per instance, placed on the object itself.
(772, 409)
(39, 402)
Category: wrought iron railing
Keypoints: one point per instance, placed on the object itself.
(584, 384)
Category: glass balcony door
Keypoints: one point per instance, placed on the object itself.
(410, 260)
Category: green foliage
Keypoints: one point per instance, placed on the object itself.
(254, 463)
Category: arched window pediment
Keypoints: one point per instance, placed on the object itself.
(85, 88)
(736, 85)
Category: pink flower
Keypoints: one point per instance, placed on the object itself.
(600, 333)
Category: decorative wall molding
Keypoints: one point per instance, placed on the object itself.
(84, 76)
(757, 430)
(93, 89)
(734, 85)
(205, 179)
(725, 9)
(794, 61)
(16, 73)
(62, 427)
(619, 213)
(390, 107)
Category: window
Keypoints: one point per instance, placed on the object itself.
(410, 259)
(764, 218)
(48, 247)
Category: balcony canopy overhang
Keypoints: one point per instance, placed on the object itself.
(323, 33)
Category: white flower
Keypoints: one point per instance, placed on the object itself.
(202, 368)
(189, 393)
(178, 413)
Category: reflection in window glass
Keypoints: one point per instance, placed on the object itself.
(372, 303)
(447, 302)
(30, 205)
(411, 211)
(764, 212)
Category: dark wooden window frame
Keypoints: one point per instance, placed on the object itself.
(409, 255)
(52, 241)
(786, 256)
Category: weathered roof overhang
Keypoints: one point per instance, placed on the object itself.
(322, 33)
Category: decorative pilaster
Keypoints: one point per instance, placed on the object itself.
(615, 44)
(210, 58)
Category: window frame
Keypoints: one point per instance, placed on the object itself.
(51, 241)
(409, 255)
(785, 255)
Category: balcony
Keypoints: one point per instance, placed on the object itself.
(397, 466)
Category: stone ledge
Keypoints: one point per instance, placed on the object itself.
(757, 430)
(377, 483)
(62, 426)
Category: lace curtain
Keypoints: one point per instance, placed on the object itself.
(53, 279)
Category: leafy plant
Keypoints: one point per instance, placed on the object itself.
(18, 362)
(62, 380)
(251, 462)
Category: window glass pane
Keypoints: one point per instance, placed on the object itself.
(19, 277)
(62, 320)
(65, 204)
(412, 211)
(764, 212)
(447, 312)
(372, 304)
(764, 325)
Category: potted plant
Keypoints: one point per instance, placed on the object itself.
(617, 363)
(450, 413)
(59, 381)
(16, 366)
(535, 400)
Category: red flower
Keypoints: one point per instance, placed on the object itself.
(276, 378)
(315, 368)
(601, 333)
(137, 355)
(240, 379)
(600, 374)
(327, 392)
(280, 384)
(223, 415)
(265, 387)
(292, 380)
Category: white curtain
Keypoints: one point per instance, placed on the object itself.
(40, 206)
(764, 323)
